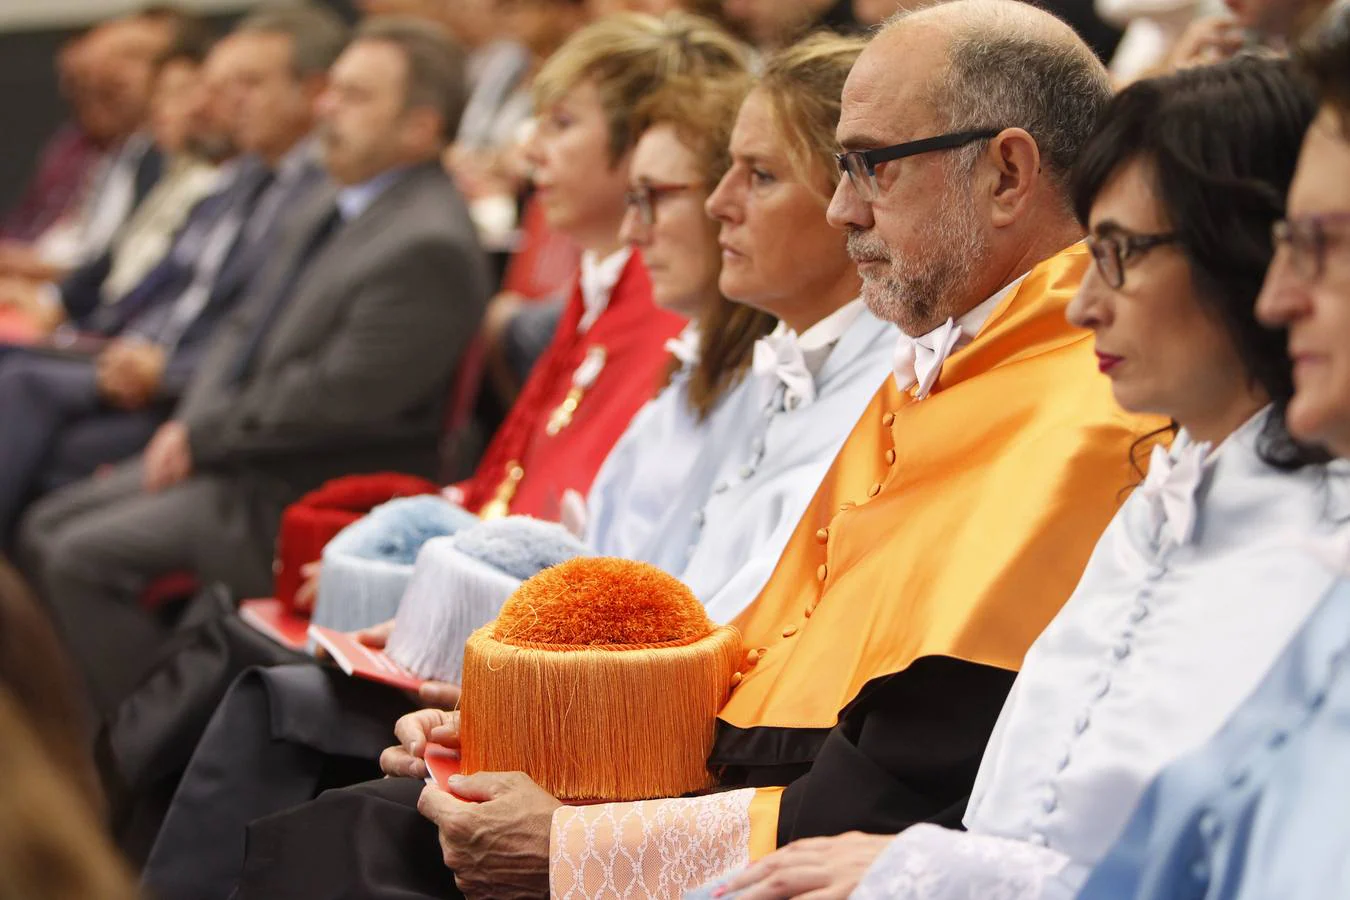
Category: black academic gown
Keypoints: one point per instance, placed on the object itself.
(897, 757)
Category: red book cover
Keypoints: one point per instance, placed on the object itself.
(442, 762)
(277, 621)
(360, 661)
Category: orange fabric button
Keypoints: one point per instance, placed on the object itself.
(888, 420)
(789, 631)
(846, 505)
(823, 572)
(874, 490)
(752, 657)
(890, 457)
(736, 679)
(807, 612)
(823, 535)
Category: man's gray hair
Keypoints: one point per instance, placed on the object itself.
(1011, 65)
(437, 76)
(317, 35)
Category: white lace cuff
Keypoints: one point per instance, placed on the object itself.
(931, 863)
(650, 848)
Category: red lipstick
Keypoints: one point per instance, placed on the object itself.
(1106, 362)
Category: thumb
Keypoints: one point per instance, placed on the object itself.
(479, 787)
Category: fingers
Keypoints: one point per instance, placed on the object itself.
(376, 635)
(438, 805)
(308, 591)
(481, 787)
(414, 730)
(439, 694)
(399, 763)
(786, 882)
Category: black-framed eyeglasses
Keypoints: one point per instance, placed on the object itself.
(1113, 252)
(1304, 240)
(861, 165)
(643, 197)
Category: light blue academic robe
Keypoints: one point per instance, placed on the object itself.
(1263, 810)
(722, 529)
(649, 464)
(1187, 600)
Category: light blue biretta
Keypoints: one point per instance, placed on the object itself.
(460, 584)
(368, 565)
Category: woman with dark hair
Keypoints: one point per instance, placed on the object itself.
(1260, 811)
(1199, 580)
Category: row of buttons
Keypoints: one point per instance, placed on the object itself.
(747, 471)
(1100, 687)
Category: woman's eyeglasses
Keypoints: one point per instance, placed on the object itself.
(861, 165)
(643, 198)
(1305, 240)
(1113, 251)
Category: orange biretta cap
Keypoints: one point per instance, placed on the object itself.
(601, 678)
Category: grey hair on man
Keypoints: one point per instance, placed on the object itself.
(1005, 69)
(1016, 94)
(317, 35)
(437, 73)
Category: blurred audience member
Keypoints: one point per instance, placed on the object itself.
(1271, 24)
(1152, 29)
(99, 402)
(65, 162)
(113, 77)
(338, 361)
(51, 843)
(773, 23)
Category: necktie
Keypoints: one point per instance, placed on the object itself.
(1170, 489)
(778, 360)
(918, 361)
(271, 307)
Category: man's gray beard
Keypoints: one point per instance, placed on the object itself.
(919, 294)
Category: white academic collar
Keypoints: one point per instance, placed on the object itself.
(688, 347)
(795, 361)
(919, 360)
(598, 278)
(817, 341)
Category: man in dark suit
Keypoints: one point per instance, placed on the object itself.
(338, 361)
(62, 416)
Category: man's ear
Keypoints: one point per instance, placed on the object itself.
(1016, 161)
(424, 126)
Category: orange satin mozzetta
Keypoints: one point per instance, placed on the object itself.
(954, 526)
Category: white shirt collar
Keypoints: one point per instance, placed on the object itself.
(688, 347)
(795, 361)
(598, 278)
(818, 340)
(919, 360)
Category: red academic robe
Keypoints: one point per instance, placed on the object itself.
(529, 465)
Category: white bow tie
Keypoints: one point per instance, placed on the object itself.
(779, 360)
(686, 348)
(1170, 489)
(918, 361)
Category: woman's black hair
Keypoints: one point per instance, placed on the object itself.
(1222, 142)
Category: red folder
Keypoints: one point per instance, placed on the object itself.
(442, 762)
(360, 661)
(277, 621)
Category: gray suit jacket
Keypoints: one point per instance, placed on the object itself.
(353, 373)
